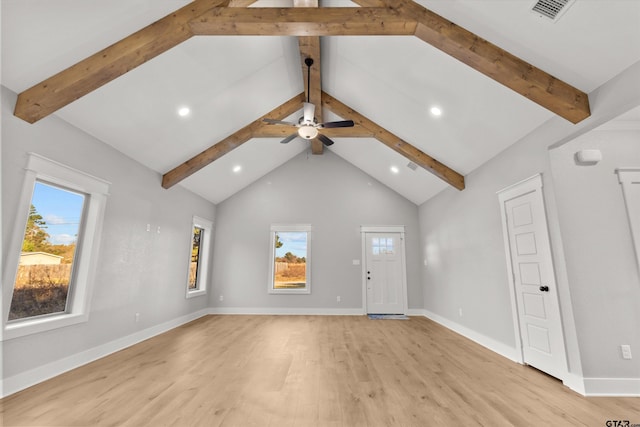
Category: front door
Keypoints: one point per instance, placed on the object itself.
(384, 273)
(534, 282)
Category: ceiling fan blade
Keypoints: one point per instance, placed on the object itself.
(325, 140)
(289, 138)
(309, 111)
(278, 122)
(339, 124)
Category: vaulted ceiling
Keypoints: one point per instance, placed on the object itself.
(121, 69)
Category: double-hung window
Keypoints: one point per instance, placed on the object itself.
(52, 257)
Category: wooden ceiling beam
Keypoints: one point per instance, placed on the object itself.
(275, 131)
(412, 153)
(229, 143)
(310, 48)
(304, 21)
(494, 62)
(110, 63)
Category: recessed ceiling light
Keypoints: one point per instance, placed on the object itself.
(183, 111)
(394, 169)
(436, 111)
(237, 168)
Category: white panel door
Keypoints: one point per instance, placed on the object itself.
(534, 282)
(384, 273)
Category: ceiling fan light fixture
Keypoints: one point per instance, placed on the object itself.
(307, 132)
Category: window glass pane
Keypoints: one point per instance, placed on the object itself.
(198, 236)
(290, 269)
(374, 241)
(48, 252)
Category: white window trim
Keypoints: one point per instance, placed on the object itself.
(285, 228)
(628, 177)
(205, 250)
(97, 190)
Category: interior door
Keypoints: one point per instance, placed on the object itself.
(384, 273)
(534, 282)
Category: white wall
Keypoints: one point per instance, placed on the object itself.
(461, 239)
(600, 257)
(336, 199)
(138, 271)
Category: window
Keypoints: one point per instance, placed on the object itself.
(54, 247)
(382, 246)
(48, 252)
(290, 259)
(201, 231)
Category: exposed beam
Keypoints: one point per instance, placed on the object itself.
(229, 143)
(91, 73)
(412, 153)
(494, 62)
(310, 48)
(325, 21)
(275, 131)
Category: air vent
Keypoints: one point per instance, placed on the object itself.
(551, 9)
(412, 166)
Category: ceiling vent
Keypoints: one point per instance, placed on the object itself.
(551, 9)
(412, 166)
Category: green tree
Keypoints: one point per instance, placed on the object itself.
(278, 242)
(35, 236)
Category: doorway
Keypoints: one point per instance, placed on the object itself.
(384, 270)
(537, 320)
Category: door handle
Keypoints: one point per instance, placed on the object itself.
(544, 288)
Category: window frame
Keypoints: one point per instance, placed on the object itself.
(96, 190)
(283, 228)
(202, 276)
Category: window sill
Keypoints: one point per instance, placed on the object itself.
(21, 328)
(193, 294)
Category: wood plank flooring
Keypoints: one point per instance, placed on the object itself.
(308, 371)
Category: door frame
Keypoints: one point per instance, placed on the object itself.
(364, 229)
(532, 184)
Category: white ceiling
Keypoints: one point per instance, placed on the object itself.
(229, 82)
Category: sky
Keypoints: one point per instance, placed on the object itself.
(294, 242)
(61, 210)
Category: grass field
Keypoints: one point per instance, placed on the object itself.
(294, 277)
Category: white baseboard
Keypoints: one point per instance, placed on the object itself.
(285, 311)
(618, 387)
(493, 345)
(27, 379)
(574, 382)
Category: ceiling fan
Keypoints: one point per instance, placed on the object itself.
(307, 125)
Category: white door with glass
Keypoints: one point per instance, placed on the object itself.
(534, 283)
(385, 273)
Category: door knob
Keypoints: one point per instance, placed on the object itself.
(544, 288)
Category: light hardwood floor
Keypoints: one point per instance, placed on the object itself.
(308, 371)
